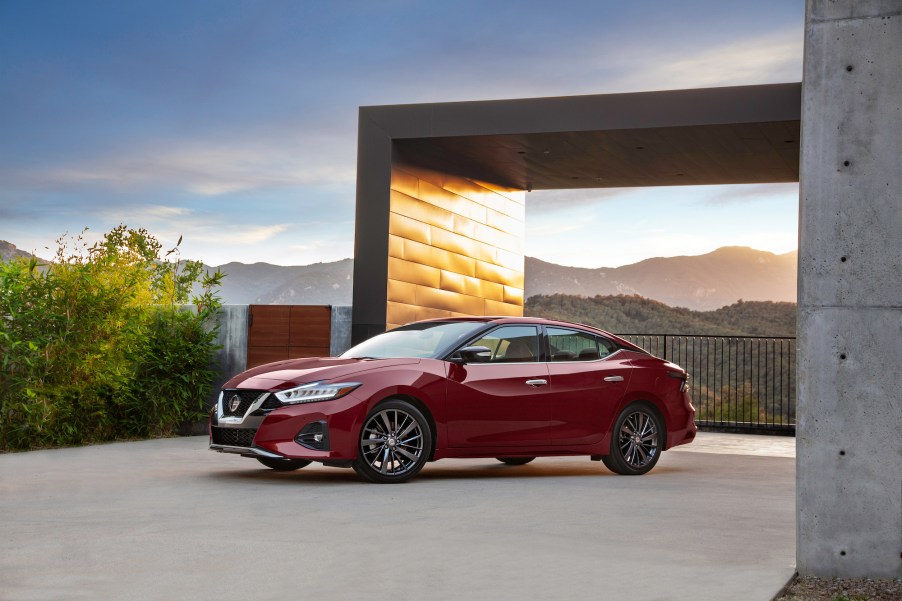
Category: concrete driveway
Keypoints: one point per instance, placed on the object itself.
(168, 519)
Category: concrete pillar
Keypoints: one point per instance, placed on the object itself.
(340, 331)
(231, 358)
(849, 434)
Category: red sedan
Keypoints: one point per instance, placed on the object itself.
(510, 388)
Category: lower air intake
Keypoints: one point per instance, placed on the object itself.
(234, 437)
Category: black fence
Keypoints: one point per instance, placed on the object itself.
(737, 383)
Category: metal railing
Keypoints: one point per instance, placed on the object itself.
(737, 383)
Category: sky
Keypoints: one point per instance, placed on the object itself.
(234, 123)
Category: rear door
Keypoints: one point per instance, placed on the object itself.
(587, 381)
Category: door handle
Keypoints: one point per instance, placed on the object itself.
(613, 379)
(535, 383)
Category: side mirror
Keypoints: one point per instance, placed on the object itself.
(472, 354)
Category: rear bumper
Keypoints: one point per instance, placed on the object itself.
(686, 433)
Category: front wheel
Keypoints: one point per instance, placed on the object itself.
(637, 441)
(283, 465)
(395, 443)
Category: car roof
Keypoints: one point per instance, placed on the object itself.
(533, 321)
(503, 319)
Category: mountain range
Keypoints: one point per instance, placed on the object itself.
(703, 282)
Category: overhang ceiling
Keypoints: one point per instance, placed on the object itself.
(738, 135)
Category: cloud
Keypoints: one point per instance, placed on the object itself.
(764, 58)
(244, 234)
(205, 168)
(151, 213)
(727, 195)
(543, 201)
(171, 222)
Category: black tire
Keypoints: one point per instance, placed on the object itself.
(636, 441)
(394, 443)
(515, 460)
(283, 465)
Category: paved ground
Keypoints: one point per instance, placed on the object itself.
(167, 519)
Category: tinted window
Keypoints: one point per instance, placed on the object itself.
(511, 344)
(573, 345)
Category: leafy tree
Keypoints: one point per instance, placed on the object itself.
(96, 345)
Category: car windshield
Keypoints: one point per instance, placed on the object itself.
(425, 340)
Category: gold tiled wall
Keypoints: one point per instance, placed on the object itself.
(455, 247)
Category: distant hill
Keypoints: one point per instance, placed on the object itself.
(709, 281)
(705, 282)
(9, 251)
(267, 284)
(636, 315)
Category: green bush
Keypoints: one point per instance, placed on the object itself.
(97, 345)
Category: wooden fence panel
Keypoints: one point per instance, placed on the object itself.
(277, 332)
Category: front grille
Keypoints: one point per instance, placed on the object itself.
(246, 399)
(271, 402)
(268, 405)
(234, 437)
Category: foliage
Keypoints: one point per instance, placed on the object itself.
(744, 410)
(97, 345)
(623, 314)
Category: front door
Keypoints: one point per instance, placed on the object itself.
(505, 401)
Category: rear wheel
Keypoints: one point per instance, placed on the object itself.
(283, 465)
(394, 445)
(515, 460)
(637, 441)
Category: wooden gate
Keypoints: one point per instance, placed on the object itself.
(277, 332)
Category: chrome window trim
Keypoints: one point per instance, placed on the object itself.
(600, 359)
(605, 358)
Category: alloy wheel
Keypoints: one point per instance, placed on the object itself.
(638, 439)
(392, 442)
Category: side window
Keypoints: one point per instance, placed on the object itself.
(512, 344)
(605, 347)
(573, 345)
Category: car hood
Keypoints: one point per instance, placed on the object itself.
(293, 372)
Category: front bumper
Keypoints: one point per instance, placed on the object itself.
(264, 428)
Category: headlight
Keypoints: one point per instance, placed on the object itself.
(316, 391)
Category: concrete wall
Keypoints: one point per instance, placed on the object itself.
(849, 434)
(232, 337)
(340, 338)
